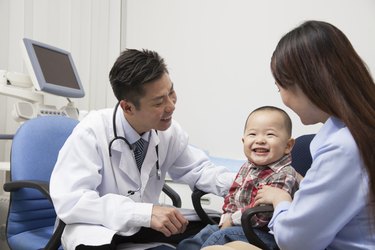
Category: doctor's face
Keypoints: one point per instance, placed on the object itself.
(156, 106)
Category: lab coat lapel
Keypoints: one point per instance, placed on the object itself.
(128, 165)
(149, 164)
(127, 162)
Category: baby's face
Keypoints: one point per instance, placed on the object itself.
(265, 139)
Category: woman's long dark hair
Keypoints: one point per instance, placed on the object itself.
(320, 59)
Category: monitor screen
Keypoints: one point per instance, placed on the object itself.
(51, 69)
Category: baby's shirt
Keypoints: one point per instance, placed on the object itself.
(249, 180)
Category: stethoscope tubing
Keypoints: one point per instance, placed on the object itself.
(116, 137)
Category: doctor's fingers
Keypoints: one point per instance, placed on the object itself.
(167, 220)
(175, 221)
(179, 221)
(181, 218)
(167, 227)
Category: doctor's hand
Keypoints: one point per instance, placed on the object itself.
(168, 220)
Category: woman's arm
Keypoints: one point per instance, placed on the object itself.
(330, 196)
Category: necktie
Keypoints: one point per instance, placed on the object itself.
(138, 152)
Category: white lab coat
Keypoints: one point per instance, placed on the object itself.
(92, 201)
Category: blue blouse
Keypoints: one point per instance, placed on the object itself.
(331, 210)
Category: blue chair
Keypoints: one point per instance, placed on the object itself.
(31, 215)
(301, 157)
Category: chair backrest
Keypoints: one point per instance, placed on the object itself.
(301, 156)
(35, 148)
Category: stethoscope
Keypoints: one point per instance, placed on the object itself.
(116, 137)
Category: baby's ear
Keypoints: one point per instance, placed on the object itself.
(289, 145)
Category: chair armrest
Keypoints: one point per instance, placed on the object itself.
(42, 186)
(248, 229)
(55, 241)
(12, 186)
(176, 199)
(196, 199)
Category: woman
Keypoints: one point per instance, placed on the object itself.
(322, 79)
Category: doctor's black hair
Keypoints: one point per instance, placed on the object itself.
(132, 69)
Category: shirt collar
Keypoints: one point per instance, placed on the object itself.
(130, 134)
(331, 126)
(278, 165)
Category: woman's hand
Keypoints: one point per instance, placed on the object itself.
(271, 195)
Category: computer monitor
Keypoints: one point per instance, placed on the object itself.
(51, 69)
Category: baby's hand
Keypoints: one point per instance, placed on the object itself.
(227, 223)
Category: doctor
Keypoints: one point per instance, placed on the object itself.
(106, 183)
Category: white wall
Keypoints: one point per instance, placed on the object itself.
(89, 29)
(218, 52)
